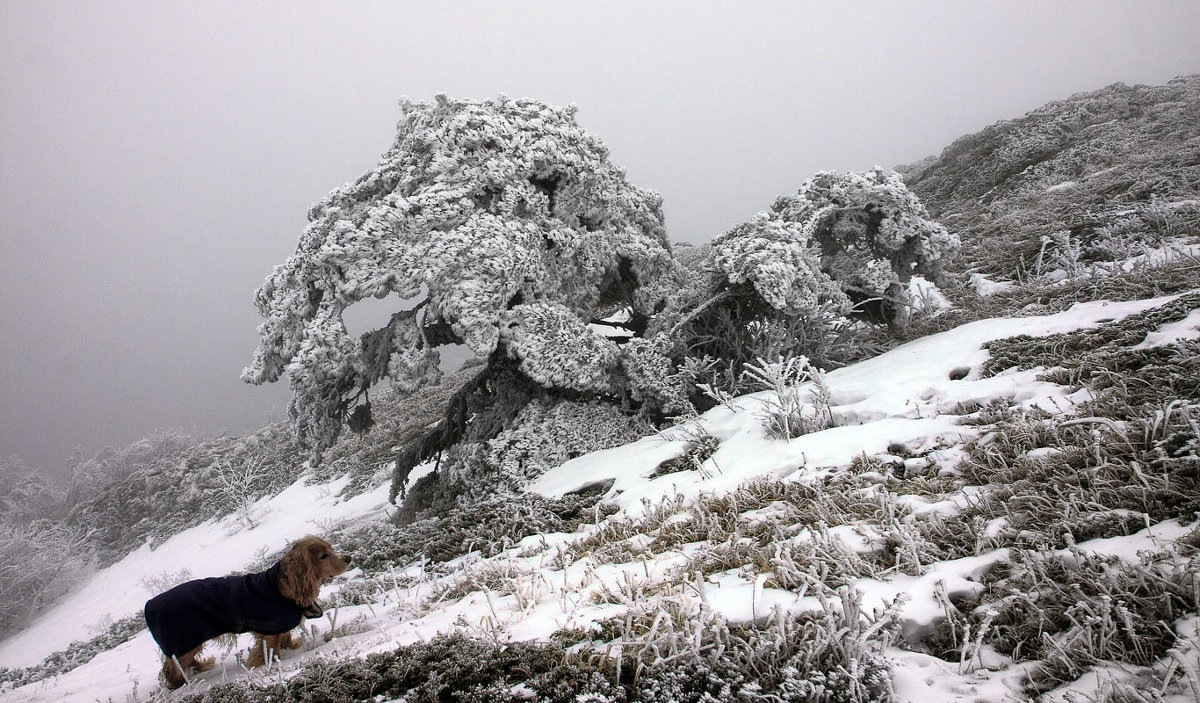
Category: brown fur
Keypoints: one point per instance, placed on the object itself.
(309, 563)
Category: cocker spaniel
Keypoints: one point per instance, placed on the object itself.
(268, 603)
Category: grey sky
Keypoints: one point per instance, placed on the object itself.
(158, 158)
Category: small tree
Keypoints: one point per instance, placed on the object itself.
(872, 235)
(239, 482)
(843, 247)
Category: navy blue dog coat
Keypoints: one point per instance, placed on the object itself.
(192, 613)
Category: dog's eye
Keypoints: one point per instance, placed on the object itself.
(324, 556)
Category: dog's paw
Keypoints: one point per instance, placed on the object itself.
(203, 664)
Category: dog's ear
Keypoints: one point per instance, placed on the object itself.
(299, 576)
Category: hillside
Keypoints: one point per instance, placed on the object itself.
(1071, 180)
(1005, 506)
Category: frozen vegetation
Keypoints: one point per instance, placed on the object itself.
(854, 449)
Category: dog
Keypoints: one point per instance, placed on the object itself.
(268, 603)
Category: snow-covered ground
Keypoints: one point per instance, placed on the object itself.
(900, 397)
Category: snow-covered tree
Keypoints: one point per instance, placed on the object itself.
(498, 224)
(844, 245)
(872, 235)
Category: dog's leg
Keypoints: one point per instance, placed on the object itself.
(286, 641)
(257, 655)
(175, 668)
(172, 675)
(272, 647)
(202, 664)
(266, 648)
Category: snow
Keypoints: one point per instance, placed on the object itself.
(1187, 328)
(926, 295)
(211, 549)
(1128, 548)
(910, 408)
(986, 286)
(903, 396)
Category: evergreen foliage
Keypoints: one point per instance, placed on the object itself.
(497, 224)
(788, 282)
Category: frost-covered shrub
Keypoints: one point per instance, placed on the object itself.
(1076, 611)
(446, 668)
(1108, 237)
(458, 524)
(557, 350)
(178, 483)
(694, 680)
(791, 412)
(872, 235)
(1079, 164)
(40, 561)
(833, 655)
(790, 281)
(651, 377)
(549, 432)
(492, 223)
(778, 260)
(26, 496)
(838, 662)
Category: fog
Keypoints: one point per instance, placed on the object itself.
(158, 159)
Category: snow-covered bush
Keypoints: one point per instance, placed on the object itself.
(446, 668)
(501, 225)
(38, 562)
(788, 412)
(549, 432)
(39, 556)
(557, 350)
(26, 495)
(1078, 612)
(872, 235)
(792, 280)
(494, 223)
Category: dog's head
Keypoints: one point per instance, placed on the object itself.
(309, 563)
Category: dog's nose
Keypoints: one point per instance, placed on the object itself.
(346, 558)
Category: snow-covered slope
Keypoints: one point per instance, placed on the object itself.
(902, 397)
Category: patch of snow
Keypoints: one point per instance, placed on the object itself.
(1128, 548)
(922, 678)
(926, 296)
(985, 286)
(1187, 328)
(923, 607)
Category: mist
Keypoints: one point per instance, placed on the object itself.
(158, 159)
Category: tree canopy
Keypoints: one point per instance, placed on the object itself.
(493, 224)
(844, 245)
